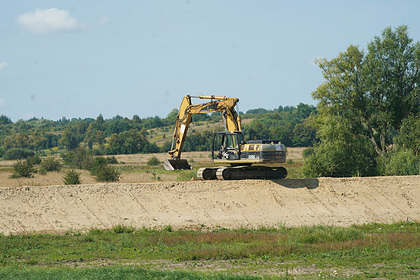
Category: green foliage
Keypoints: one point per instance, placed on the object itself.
(409, 134)
(4, 120)
(376, 91)
(111, 160)
(103, 172)
(69, 139)
(50, 164)
(370, 97)
(401, 161)
(322, 234)
(341, 153)
(79, 158)
(17, 153)
(198, 141)
(72, 177)
(153, 161)
(293, 126)
(130, 142)
(35, 159)
(120, 228)
(22, 169)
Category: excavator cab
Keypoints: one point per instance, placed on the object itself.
(227, 145)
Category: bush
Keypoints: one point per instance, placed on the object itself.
(111, 160)
(22, 169)
(50, 164)
(17, 153)
(103, 172)
(123, 229)
(338, 158)
(402, 161)
(34, 159)
(153, 161)
(320, 234)
(107, 174)
(79, 158)
(72, 177)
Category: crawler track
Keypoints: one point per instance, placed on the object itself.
(242, 173)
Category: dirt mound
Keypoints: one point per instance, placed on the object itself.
(250, 203)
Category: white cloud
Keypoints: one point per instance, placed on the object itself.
(49, 21)
(104, 20)
(2, 103)
(3, 64)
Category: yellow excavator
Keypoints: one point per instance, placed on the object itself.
(255, 159)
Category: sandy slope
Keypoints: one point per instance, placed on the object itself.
(293, 202)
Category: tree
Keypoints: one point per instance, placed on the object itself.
(304, 134)
(375, 91)
(372, 89)
(16, 140)
(367, 97)
(37, 140)
(341, 153)
(69, 140)
(4, 120)
(129, 142)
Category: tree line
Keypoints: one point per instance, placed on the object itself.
(121, 135)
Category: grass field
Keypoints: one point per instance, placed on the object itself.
(311, 252)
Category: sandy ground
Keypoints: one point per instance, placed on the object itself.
(231, 204)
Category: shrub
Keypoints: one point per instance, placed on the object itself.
(340, 158)
(103, 172)
(72, 177)
(111, 160)
(320, 234)
(50, 164)
(79, 158)
(123, 229)
(22, 169)
(402, 161)
(17, 153)
(153, 161)
(107, 174)
(34, 159)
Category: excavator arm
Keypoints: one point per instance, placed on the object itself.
(222, 104)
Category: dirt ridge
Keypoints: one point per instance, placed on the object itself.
(231, 204)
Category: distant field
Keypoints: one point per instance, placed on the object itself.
(135, 170)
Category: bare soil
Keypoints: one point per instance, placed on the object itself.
(196, 204)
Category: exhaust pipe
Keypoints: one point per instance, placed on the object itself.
(176, 164)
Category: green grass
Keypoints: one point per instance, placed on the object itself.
(372, 250)
(116, 272)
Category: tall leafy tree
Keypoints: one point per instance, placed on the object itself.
(364, 98)
(375, 91)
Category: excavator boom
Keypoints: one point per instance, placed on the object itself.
(222, 104)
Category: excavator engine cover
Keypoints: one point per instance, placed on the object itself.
(176, 164)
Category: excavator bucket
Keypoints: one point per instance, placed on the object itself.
(176, 164)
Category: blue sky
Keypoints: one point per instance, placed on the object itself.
(84, 58)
